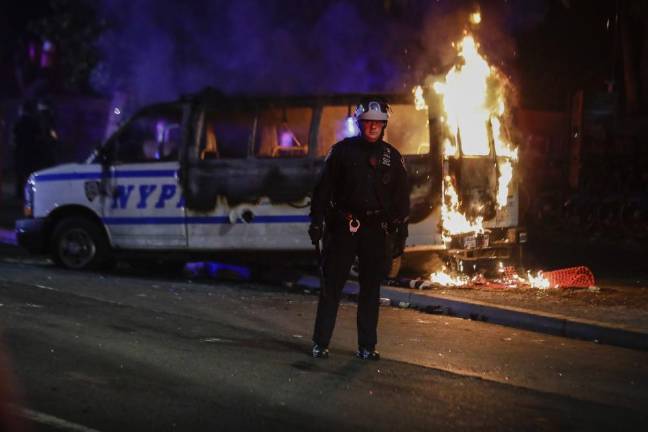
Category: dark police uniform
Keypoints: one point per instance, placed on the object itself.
(368, 182)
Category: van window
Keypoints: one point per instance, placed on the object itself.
(283, 132)
(149, 137)
(335, 125)
(171, 138)
(408, 130)
(226, 135)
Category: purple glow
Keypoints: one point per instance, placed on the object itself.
(213, 269)
(31, 51)
(159, 130)
(47, 54)
(286, 139)
(351, 128)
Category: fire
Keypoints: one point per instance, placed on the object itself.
(538, 281)
(501, 141)
(453, 220)
(463, 96)
(418, 98)
(473, 98)
(446, 279)
(505, 177)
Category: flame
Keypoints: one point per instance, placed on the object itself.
(503, 182)
(473, 98)
(419, 102)
(502, 144)
(444, 278)
(453, 220)
(475, 18)
(538, 281)
(463, 95)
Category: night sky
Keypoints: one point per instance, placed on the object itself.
(156, 50)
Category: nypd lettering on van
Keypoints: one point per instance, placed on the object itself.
(140, 207)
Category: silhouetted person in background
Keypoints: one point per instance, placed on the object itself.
(24, 136)
(35, 141)
(47, 140)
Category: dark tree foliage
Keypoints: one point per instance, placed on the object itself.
(74, 27)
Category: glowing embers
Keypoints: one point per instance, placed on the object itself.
(508, 278)
(537, 281)
(445, 278)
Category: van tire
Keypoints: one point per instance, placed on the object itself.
(80, 244)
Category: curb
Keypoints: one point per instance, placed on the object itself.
(525, 319)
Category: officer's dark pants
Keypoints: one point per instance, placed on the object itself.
(340, 249)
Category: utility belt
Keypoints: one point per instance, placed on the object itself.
(395, 232)
(354, 219)
(366, 216)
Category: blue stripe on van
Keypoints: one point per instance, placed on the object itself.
(67, 176)
(97, 175)
(215, 220)
(145, 173)
(143, 220)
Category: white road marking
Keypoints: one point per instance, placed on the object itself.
(50, 420)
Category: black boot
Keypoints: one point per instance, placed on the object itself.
(320, 351)
(368, 354)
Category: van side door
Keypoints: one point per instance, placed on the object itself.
(144, 207)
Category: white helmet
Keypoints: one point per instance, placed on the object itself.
(372, 110)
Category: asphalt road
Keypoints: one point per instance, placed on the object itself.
(133, 352)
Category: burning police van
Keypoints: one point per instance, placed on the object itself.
(218, 176)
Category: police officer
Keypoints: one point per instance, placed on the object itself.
(359, 208)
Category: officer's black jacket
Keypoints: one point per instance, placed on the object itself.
(359, 176)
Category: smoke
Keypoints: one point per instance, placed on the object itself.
(157, 50)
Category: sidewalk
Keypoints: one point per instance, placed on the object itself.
(615, 313)
(563, 315)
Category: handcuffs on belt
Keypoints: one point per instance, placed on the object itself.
(354, 225)
(354, 221)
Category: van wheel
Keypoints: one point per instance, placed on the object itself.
(79, 244)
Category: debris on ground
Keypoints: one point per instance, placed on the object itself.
(506, 278)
